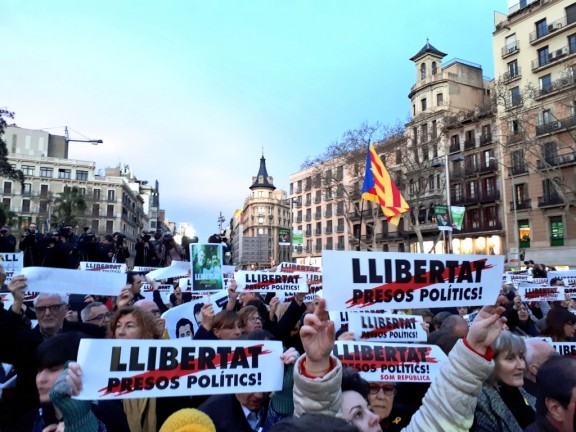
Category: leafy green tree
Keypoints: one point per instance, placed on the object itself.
(6, 216)
(68, 206)
(6, 169)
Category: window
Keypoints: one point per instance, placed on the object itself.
(46, 172)
(541, 28)
(521, 194)
(43, 207)
(423, 71)
(439, 99)
(81, 175)
(490, 216)
(28, 170)
(110, 210)
(413, 110)
(64, 173)
(489, 186)
(109, 227)
(511, 44)
(434, 129)
(515, 96)
(512, 69)
(423, 102)
(6, 202)
(472, 190)
(550, 152)
(398, 156)
(524, 233)
(424, 132)
(27, 189)
(556, 231)
(543, 58)
(571, 13)
(95, 226)
(26, 206)
(572, 44)
(545, 84)
(434, 68)
(96, 193)
(425, 153)
(111, 195)
(455, 143)
(95, 210)
(7, 188)
(515, 127)
(44, 190)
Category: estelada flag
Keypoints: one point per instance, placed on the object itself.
(379, 188)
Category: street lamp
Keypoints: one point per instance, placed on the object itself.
(438, 164)
(67, 137)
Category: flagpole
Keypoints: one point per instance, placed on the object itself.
(360, 233)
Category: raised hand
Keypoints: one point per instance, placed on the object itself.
(485, 328)
(317, 335)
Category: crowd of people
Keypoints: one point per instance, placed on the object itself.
(500, 375)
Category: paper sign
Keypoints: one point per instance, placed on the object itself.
(288, 267)
(258, 281)
(144, 269)
(136, 368)
(66, 281)
(147, 291)
(393, 362)
(565, 348)
(568, 277)
(383, 280)
(104, 267)
(207, 273)
(12, 264)
(386, 327)
(534, 292)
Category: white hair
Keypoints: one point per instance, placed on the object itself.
(63, 297)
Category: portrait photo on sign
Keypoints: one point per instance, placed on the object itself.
(207, 272)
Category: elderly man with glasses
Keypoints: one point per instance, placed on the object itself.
(96, 313)
(19, 343)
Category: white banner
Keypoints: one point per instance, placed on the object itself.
(66, 281)
(136, 368)
(144, 269)
(176, 269)
(385, 280)
(288, 267)
(393, 362)
(258, 281)
(104, 267)
(568, 277)
(164, 289)
(386, 327)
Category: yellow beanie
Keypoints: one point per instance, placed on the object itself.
(188, 420)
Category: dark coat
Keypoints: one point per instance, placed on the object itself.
(19, 346)
(541, 425)
(227, 414)
(493, 415)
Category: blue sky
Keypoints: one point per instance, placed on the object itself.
(190, 92)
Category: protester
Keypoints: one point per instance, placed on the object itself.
(556, 404)
(537, 352)
(318, 375)
(503, 405)
(249, 319)
(96, 313)
(393, 416)
(560, 325)
(31, 245)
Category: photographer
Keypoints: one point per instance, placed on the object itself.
(7, 240)
(87, 247)
(120, 250)
(145, 251)
(170, 251)
(57, 251)
(31, 245)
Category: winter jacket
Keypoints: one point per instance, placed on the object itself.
(448, 405)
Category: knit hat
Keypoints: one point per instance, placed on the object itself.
(188, 420)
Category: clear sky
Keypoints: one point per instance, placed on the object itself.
(190, 92)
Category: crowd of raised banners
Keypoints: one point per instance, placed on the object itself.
(367, 291)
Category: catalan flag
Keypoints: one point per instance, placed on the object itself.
(379, 188)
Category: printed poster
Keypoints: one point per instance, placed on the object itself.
(207, 273)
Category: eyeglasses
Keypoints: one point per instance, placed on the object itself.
(254, 319)
(41, 310)
(387, 389)
(100, 317)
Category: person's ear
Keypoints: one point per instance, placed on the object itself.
(554, 409)
(533, 368)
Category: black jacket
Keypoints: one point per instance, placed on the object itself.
(227, 414)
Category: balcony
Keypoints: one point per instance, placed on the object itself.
(308, 202)
(317, 199)
(328, 213)
(491, 166)
(318, 231)
(454, 147)
(494, 225)
(329, 246)
(298, 204)
(552, 27)
(318, 248)
(299, 219)
(328, 230)
(550, 200)
(556, 125)
(308, 217)
(485, 139)
(339, 211)
(516, 137)
(469, 144)
(340, 246)
(308, 186)
(457, 173)
(339, 228)
(510, 49)
(568, 159)
(515, 170)
(299, 190)
(308, 232)
(525, 204)
(512, 75)
(318, 215)
(544, 61)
